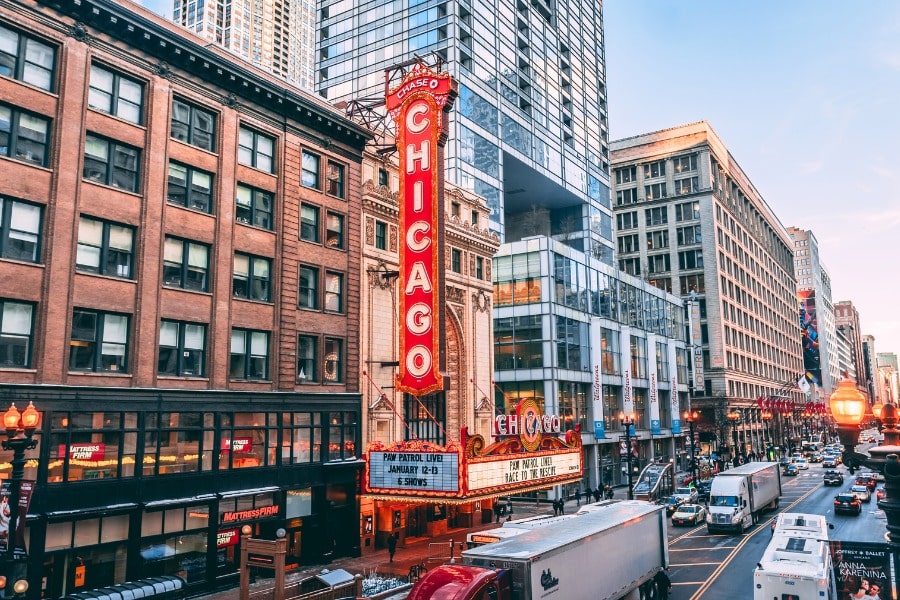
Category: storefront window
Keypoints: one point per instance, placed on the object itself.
(177, 443)
(341, 435)
(182, 555)
(246, 440)
(297, 444)
(91, 445)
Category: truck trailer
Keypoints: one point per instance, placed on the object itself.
(582, 557)
(738, 496)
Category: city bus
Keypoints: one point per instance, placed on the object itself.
(797, 561)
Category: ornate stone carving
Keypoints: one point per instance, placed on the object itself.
(455, 294)
(481, 302)
(80, 32)
(230, 101)
(163, 69)
(370, 231)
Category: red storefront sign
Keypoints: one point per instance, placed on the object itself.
(92, 452)
(237, 445)
(418, 105)
(250, 514)
(228, 537)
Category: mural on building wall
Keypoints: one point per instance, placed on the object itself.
(810, 336)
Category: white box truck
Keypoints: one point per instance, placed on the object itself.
(582, 557)
(739, 495)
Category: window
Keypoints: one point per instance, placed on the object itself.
(309, 287)
(632, 266)
(689, 235)
(382, 176)
(16, 329)
(307, 371)
(626, 220)
(111, 163)
(629, 196)
(190, 187)
(455, 260)
(687, 211)
(687, 186)
(249, 354)
(334, 230)
(256, 150)
(655, 191)
(474, 217)
(309, 170)
(518, 343)
(628, 243)
(454, 209)
(23, 136)
(309, 223)
(182, 349)
(655, 169)
(26, 59)
(658, 263)
(20, 230)
(694, 283)
(104, 248)
(658, 239)
(335, 185)
(254, 207)
(626, 174)
(479, 267)
(193, 125)
(186, 264)
(692, 259)
(99, 342)
(251, 277)
(381, 235)
(656, 216)
(116, 95)
(682, 164)
(333, 366)
(334, 292)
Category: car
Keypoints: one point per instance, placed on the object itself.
(816, 457)
(862, 492)
(689, 514)
(802, 463)
(689, 494)
(785, 461)
(880, 493)
(796, 456)
(846, 502)
(867, 479)
(703, 488)
(672, 503)
(833, 478)
(829, 462)
(791, 469)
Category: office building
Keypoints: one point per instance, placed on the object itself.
(275, 35)
(846, 320)
(180, 267)
(690, 221)
(529, 130)
(868, 344)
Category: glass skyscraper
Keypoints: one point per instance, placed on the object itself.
(529, 131)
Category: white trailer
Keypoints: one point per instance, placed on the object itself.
(583, 557)
(738, 496)
(797, 562)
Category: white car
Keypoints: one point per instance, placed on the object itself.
(689, 514)
(862, 492)
(802, 463)
(690, 494)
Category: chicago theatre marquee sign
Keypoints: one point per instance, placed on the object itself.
(528, 455)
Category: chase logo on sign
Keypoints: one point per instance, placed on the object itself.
(548, 581)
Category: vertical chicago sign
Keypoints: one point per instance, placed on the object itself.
(418, 106)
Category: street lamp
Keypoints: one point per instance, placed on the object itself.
(766, 417)
(734, 416)
(628, 421)
(20, 428)
(691, 417)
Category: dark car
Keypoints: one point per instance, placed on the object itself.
(866, 479)
(791, 469)
(672, 504)
(703, 488)
(847, 503)
(785, 461)
(833, 478)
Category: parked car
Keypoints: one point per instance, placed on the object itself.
(866, 479)
(689, 514)
(846, 502)
(862, 492)
(802, 463)
(791, 469)
(833, 478)
(672, 504)
(689, 494)
(829, 462)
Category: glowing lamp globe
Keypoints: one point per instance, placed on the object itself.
(848, 405)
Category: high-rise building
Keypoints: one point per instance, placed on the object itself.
(689, 220)
(529, 130)
(886, 359)
(275, 35)
(846, 319)
(814, 295)
(868, 342)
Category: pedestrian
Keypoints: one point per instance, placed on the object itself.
(597, 494)
(562, 506)
(392, 546)
(663, 584)
(498, 510)
(587, 495)
(577, 497)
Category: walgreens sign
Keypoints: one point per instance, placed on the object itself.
(418, 105)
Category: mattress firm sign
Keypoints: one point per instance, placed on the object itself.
(522, 469)
(425, 471)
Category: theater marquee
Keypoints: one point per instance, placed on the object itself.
(418, 105)
(529, 455)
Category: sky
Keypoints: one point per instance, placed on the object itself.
(805, 95)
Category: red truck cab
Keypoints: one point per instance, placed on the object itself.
(462, 582)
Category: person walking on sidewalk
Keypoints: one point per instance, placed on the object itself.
(392, 546)
(577, 497)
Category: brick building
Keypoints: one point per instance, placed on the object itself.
(179, 289)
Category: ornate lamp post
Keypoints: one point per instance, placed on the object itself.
(628, 421)
(691, 417)
(735, 417)
(20, 428)
(766, 417)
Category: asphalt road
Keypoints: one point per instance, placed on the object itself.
(714, 567)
